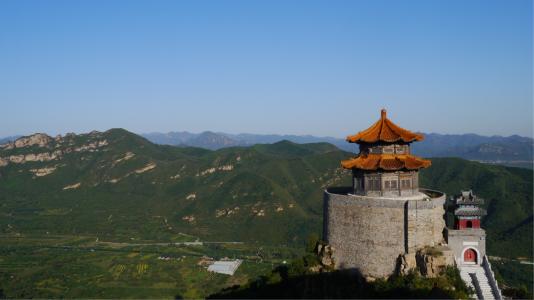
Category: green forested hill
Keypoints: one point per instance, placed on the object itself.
(129, 188)
(117, 185)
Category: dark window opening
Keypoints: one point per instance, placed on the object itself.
(377, 184)
(405, 183)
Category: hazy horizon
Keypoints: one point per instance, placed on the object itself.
(238, 133)
(316, 68)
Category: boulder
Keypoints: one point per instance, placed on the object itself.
(429, 262)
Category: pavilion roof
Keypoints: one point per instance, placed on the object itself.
(389, 162)
(385, 131)
(470, 212)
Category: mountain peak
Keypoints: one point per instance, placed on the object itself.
(284, 142)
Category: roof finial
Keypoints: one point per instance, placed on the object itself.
(383, 113)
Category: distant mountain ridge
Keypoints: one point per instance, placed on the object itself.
(8, 139)
(476, 147)
(218, 140)
(511, 150)
(469, 146)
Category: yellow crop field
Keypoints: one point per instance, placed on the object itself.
(117, 270)
(141, 269)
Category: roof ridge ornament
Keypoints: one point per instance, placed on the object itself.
(383, 114)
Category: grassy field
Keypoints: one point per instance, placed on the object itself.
(78, 266)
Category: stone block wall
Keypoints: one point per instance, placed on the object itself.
(370, 233)
(425, 222)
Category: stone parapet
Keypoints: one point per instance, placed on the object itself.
(491, 278)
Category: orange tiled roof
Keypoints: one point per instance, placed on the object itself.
(386, 131)
(388, 162)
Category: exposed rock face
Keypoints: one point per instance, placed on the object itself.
(144, 169)
(325, 253)
(429, 262)
(213, 170)
(326, 260)
(91, 146)
(31, 157)
(148, 167)
(43, 156)
(432, 261)
(407, 263)
(258, 212)
(43, 140)
(39, 139)
(189, 219)
(43, 171)
(126, 156)
(226, 212)
(72, 186)
(326, 256)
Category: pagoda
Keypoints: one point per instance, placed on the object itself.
(385, 165)
(383, 217)
(384, 223)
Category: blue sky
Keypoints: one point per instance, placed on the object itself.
(292, 67)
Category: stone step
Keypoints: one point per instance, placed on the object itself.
(483, 288)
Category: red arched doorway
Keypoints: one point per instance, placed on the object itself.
(469, 224)
(470, 256)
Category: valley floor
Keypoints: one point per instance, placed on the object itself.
(82, 267)
(54, 266)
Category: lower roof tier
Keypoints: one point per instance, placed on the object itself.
(388, 162)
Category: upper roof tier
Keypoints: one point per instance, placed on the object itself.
(384, 131)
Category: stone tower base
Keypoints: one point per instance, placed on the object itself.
(369, 234)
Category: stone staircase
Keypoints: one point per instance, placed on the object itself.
(482, 281)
